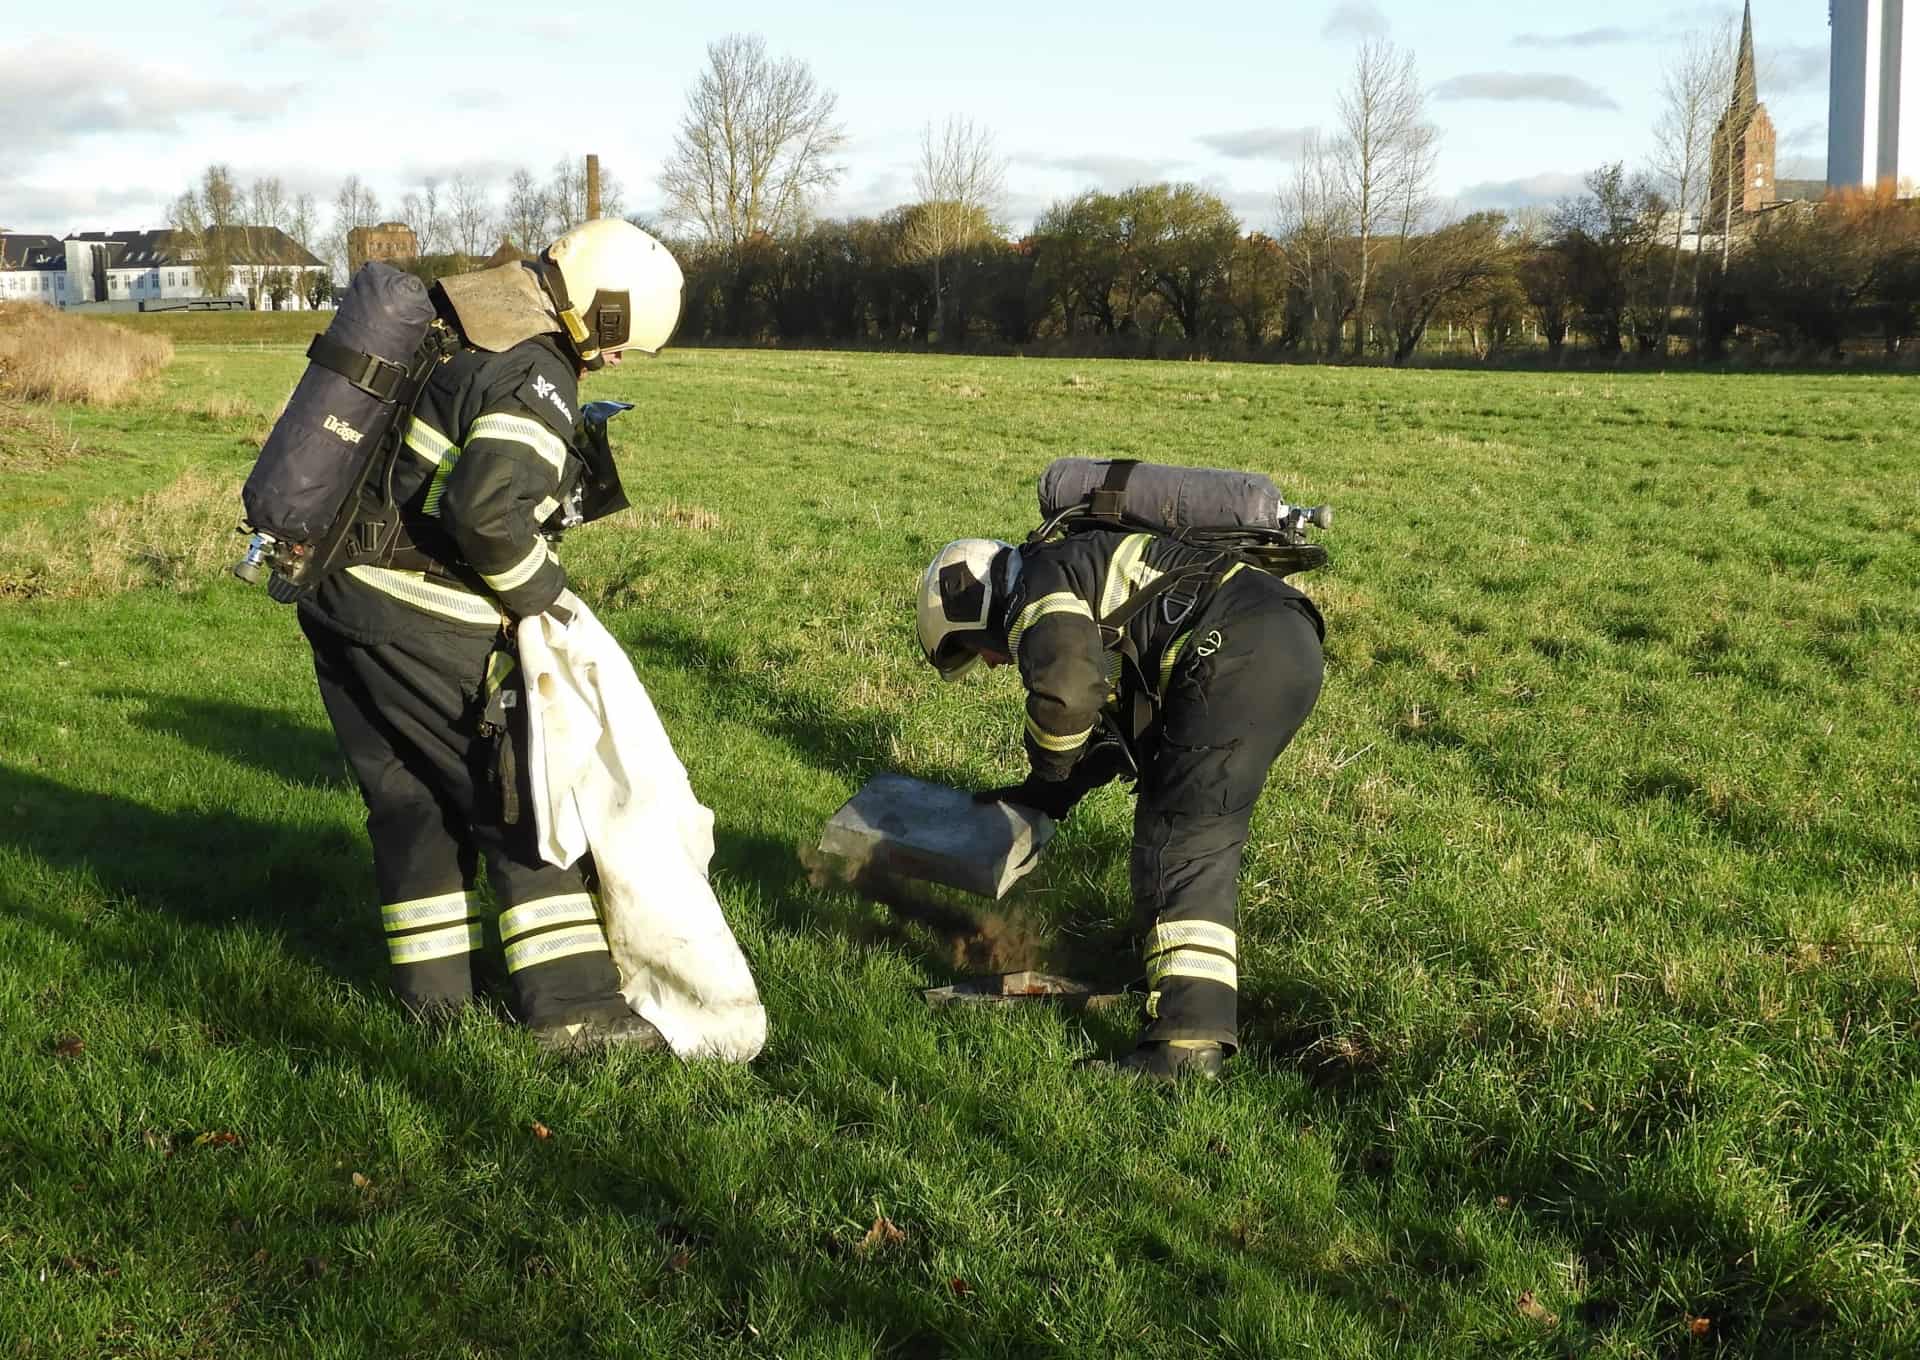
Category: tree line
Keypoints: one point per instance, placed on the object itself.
(1362, 258)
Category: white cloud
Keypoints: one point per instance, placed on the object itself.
(321, 25)
(1526, 87)
(1529, 191)
(1263, 143)
(57, 211)
(69, 94)
(1586, 37)
(1106, 170)
(1355, 19)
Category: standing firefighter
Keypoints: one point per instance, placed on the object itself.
(413, 651)
(1143, 653)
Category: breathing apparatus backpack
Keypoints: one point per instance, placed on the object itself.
(320, 495)
(1240, 515)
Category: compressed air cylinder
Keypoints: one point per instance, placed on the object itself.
(319, 448)
(1168, 499)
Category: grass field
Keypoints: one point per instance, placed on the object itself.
(1579, 926)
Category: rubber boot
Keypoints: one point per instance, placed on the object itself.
(597, 1032)
(1170, 1062)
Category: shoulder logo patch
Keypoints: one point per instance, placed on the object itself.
(543, 388)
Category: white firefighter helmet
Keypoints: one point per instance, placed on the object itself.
(957, 597)
(616, 289)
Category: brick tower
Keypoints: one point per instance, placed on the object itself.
(1741, 173)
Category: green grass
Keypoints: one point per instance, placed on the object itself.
(1579, 925)
(236, 329)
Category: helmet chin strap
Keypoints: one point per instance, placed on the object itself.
(570, 319)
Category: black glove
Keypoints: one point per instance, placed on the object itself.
(1055, 798)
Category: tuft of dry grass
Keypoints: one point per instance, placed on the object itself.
(672, 514)
(31, 438)
(48, 355)
(177, 538)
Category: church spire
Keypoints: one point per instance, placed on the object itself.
(1746, 83)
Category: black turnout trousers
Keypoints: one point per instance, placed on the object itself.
(407, 716)
(1249, 676)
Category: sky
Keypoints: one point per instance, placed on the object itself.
(111, 120)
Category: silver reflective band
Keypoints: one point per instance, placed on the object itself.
(1060, 602)
(520, 430)
(569, 908)
(434, 944)
(560, 944)
(1192, 963)
(427, 911)
(1205, 934)
(522, 571)
(412, 587)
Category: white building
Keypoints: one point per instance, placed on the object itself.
(1873, 119)
(146, 270)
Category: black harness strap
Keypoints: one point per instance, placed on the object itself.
(368, 372)
(1110, 501)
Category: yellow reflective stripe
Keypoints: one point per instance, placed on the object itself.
(1205, 934)
(413, 588)
(438, 486)
(545, 509)
(1048, 742)
(1171, 658)
(1127, 572)
(429, 945)
(568, 908)
(426, 911)
(1193, 963)
(520, 430)
(520, 572)
(428, 442)
(560, 944)
(1233, 571)
(1060, 602)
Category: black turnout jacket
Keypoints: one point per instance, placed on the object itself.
(487, 461)
(1075, 671)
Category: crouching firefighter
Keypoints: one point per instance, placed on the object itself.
(413, 646)
(1147, 657)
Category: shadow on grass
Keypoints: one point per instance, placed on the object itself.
(301, 753)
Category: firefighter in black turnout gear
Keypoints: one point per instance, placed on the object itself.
(1196, 694)
(414, 654)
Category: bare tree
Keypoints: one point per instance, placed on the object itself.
(1384, 153)
(961, 181)
(567, 194)
(1695, 88)
(755, 144)
(1314, 230)
(303, 220)
(469, 216)
(267, 204)
(354, 206)
(525, 222)
(203, 219)
(421, 211)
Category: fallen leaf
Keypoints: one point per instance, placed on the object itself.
(69, 1046)
(1503, 1201)
(1531, 1309)
(960, 1287)
(217, 1138)
(541, 1131)
(883, 1233)
(360, 1182)
(261, 1257)
(679, 1261)
(1699, 1326)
